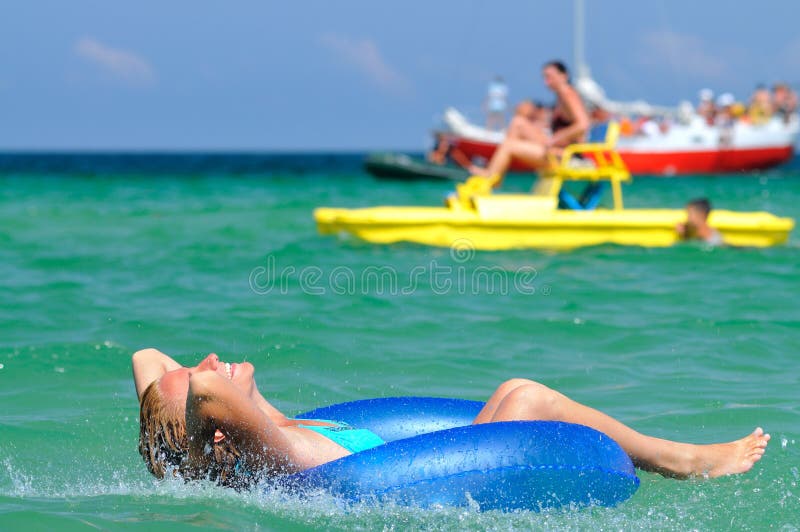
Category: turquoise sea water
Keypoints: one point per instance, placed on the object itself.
(103, 256)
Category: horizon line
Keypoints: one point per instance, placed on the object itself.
(198, 151)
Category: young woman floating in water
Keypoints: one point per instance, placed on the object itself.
(210, 421)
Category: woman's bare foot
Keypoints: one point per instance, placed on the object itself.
(738, 456)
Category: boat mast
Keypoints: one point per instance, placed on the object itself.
(589, 89)
(581, 68)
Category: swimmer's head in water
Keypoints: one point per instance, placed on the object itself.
(701, 206)
(697, 212)
(163, 442)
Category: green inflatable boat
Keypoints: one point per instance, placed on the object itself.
(401, 166)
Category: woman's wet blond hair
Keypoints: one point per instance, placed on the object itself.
(164, 444)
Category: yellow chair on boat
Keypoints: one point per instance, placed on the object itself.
(588, 161)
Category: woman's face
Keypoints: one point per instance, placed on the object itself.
(553, 78)
(175, 384)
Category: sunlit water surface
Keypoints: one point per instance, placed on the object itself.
(100, 257)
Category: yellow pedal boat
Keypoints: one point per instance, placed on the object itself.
(476, 218)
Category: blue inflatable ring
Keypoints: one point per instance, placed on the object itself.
(433, 456)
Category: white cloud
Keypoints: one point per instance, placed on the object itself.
(122, 65)
(685, 55)
(365, 57)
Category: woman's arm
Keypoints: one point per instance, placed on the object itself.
(214, 403)
(149, 365)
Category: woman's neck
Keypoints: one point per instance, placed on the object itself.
(270, 411)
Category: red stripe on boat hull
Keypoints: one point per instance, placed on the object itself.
(705, 162)
(668, 163)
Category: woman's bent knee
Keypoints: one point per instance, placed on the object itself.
(516, 382)
(542, 402)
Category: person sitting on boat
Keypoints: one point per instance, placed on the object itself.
(649, 127)
(725, 104)
(599, 115)
(444, 152)
(210, 422)
(696, 225)
(569, 123)
(535, 111)
(784, 100)
(706, 107)
(760, 108)
(529, 121)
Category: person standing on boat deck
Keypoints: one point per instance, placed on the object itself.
(496, 104)
(569, 123)
(696, 225)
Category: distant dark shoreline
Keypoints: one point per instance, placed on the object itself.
(182, 152)
(195, 163)
(178, 162)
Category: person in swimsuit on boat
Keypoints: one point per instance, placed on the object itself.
(210, 422)
(529, 143)
(444, 152)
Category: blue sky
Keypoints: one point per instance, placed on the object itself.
(348, 75)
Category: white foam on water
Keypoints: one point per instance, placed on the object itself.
(661, 503)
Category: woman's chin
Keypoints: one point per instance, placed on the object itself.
(242, 375)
